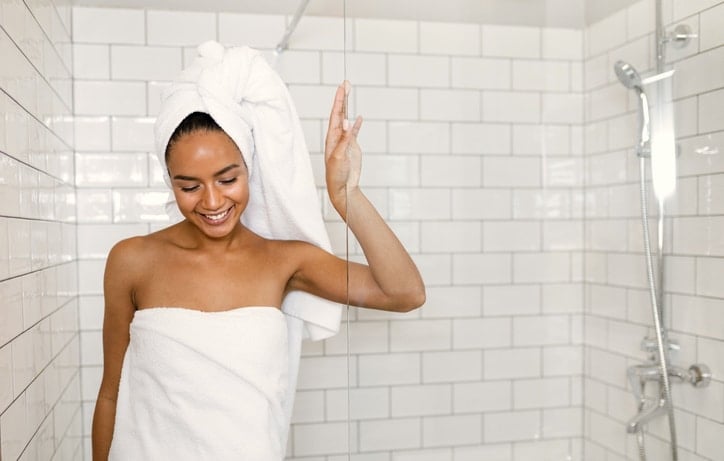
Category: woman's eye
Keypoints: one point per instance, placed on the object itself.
(189, 189)
(228, 181)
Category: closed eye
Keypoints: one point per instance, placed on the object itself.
(189, 189)
(228, 181)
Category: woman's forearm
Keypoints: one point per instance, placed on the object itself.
(390, 264)
(102, 432)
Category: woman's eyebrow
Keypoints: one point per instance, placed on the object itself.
(226, 169)
(218, 173)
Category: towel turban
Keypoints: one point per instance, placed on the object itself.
(250, 102)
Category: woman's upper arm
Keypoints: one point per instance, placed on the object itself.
(325, 275)
(118, 285)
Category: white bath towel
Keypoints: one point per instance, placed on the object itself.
(203, 386)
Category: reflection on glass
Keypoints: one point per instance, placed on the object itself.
(663, 142)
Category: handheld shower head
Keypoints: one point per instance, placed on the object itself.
(628, 75)
(631, 79)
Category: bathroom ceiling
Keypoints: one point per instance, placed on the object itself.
(553, 13)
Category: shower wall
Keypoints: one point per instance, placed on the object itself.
(40, 415)
(473, 142)
(618, 313)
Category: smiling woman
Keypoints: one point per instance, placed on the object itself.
(179, 382)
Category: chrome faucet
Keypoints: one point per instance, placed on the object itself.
(698, 375)
(646, 414)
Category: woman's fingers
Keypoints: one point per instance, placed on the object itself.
(357, 125)
(337, 114)
(347, 136)
(340, 131)
(336, 117)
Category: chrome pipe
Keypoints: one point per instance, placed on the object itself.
(660, 230)
(284, 42)
(660, 37)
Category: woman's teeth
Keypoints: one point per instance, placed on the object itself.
(218, 217)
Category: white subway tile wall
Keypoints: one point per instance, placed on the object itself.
(40, 404)
(486, 146)
(617, 310)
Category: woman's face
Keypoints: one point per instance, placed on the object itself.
(209, 180)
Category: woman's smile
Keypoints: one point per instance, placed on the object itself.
(218, 218)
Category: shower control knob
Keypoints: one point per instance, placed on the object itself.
(700, 375)
(681, 36)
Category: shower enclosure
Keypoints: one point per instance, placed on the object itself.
(500, 145)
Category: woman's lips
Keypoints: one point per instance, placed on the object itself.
(218, 218)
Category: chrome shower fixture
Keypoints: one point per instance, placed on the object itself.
(680, 37)
(628, 75)
(631, 79)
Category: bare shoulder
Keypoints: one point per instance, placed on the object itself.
(130, 263)
(128, 250)
(132, 255)
(143, 245)
(128, 247)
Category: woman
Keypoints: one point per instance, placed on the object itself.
(204, 297)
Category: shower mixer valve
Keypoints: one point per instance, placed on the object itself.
(698, 375)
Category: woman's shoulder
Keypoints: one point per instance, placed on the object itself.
(137, 249)
(139, 243)
(128, 253)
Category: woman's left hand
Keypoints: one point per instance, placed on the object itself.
(342, 154)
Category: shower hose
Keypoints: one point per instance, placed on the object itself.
(655, 305)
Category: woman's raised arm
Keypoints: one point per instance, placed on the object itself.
(391, 281)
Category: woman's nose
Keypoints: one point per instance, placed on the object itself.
(213, 198)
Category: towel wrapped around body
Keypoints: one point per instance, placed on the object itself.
(203, 386)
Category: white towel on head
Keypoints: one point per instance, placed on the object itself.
(243, 94)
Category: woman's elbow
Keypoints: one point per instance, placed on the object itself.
(412, 300)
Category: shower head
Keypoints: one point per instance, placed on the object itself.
(628, 75)
(632, 80)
